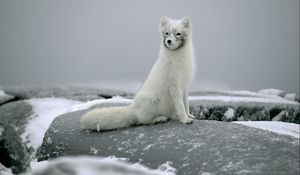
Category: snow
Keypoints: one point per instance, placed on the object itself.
(276, 92)
(2, 93)
(229, 113)
(291, 96)
(243, 99)
(45, 110)
(290, 129)
(87, 165)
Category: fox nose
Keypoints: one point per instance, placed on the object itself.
(169, 41)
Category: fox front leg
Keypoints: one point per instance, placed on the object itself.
(179, 105)
(187, 106)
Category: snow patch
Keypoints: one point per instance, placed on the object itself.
(290, 129)
(229, 113)
(87, 165)
(275, 92)
(292, 97)
(44, 111)
(2, 93)
(114, 100)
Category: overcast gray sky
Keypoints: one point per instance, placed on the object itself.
(239, 44)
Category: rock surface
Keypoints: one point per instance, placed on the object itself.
(202, 147)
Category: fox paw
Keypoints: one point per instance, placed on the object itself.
(191, 116)
(160, 119)
(186, 120)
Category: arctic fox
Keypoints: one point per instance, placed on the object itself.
(164, 94)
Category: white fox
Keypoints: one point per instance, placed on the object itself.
(165, 92)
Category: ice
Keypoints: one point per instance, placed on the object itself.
(290, 129)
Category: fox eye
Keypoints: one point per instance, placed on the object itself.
(178, 34)
(167, 33)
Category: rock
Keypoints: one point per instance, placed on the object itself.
(210, 106)
(14, 153)
(16, 114)
(13, 118)
(202, 147)
(69, 92)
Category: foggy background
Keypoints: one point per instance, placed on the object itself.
(239, 44)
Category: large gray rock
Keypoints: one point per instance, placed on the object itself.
(202, 147)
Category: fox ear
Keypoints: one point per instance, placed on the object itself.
(163, 21)
(186, 22)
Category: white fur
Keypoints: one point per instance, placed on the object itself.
(165, 91)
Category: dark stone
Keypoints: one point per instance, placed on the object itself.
(202, 147)
(14, 153)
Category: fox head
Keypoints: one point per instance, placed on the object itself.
(175, 33)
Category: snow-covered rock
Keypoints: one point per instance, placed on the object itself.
(292, 97)
(202, 147)
(280, 93)
(16, 113)
(69, 92)
(5, 97)
(242, 106)
(271, 91)
(30, 118)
